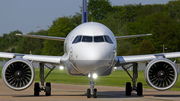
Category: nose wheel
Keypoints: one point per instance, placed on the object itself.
(95, 93)
(89, 94)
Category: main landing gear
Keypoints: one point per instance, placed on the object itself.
(139, 87)
(47, 88)
(91, 91)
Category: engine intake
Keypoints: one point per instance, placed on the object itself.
(18, 74)
(161, 74)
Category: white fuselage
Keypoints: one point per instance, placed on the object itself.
(92, 48)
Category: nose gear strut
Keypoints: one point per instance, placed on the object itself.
(91, 91)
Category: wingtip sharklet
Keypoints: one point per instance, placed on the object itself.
(149, 34)
(18, 34)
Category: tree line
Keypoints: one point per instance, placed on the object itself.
(162, 20)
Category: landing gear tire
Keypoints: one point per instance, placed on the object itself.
(139, 89)
(128, 89)
(36, 89)
(48, 89)
(95, 93)
(88, 93)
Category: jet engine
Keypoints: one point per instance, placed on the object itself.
(18, 74)
(161, 74)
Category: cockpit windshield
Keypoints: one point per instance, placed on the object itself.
(87, 39)
(77, 39)
(104, 38)
(108, 39)
(98, 39)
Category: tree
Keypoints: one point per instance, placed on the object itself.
(164, 31)
(173, 9)
(133, 51)
(146, 10)
(99, 8)
(9, 42)
(122, 52)
(34, 45)
(162, 20)
(146, 47)
(76, 19)
(60, 28)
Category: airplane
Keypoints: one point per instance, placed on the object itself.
(89, 50)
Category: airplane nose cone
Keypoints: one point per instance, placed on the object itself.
(95, 53)
(94, 57)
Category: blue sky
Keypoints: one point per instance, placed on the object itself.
(26, 15)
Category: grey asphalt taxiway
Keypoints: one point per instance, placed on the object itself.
(68, 92)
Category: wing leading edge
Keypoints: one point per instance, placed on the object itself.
(44, 37)
(34, 58)
(140, 58)
(131, 36)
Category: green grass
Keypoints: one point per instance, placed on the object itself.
(117, 78)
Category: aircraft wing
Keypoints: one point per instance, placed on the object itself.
(34, 58)
(44, 37)
(140, 58)
(131, 36)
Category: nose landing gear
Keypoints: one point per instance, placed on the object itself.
(91, 91)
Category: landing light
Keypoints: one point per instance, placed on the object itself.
(94, 75)
(115, 68)
(61, 67)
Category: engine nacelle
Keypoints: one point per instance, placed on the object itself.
(161, 74)
(18, 74)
